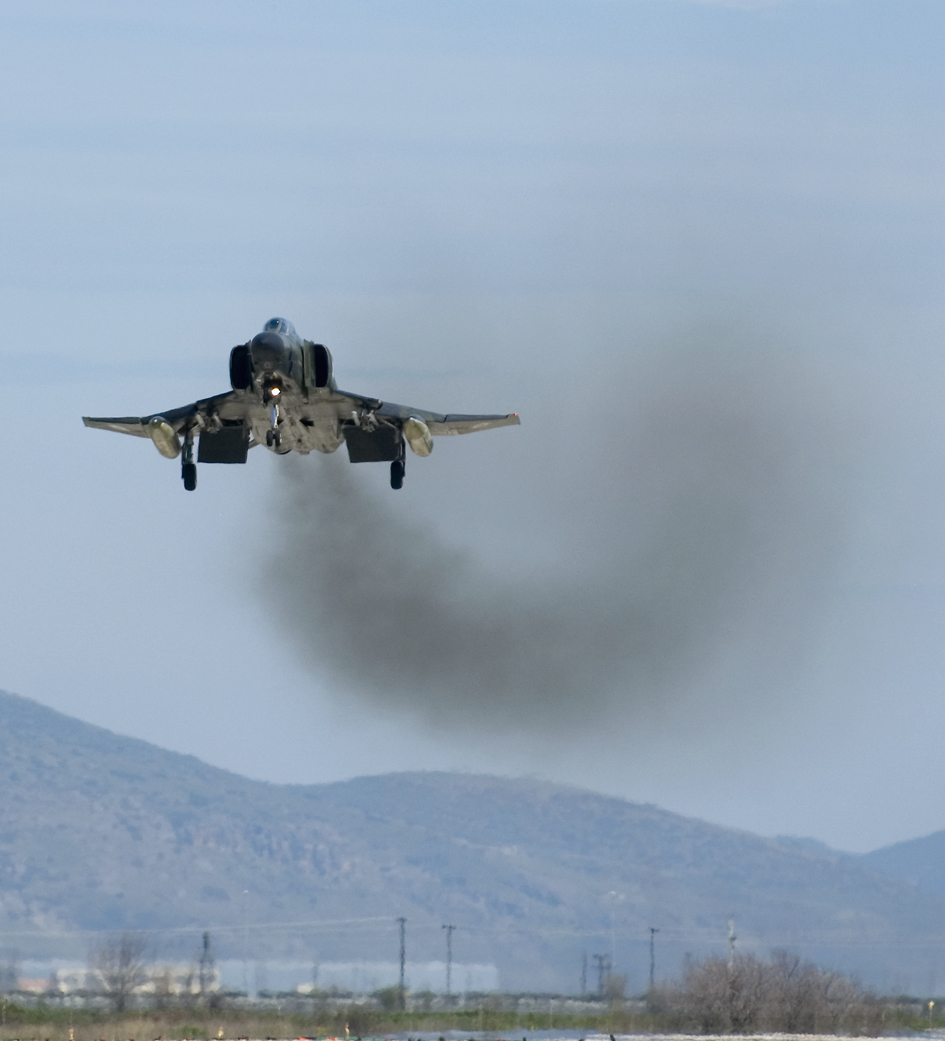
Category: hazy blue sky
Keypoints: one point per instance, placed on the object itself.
(478, 207)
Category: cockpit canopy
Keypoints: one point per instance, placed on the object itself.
(279, 325)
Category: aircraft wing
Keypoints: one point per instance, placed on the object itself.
(120, 424)
(457, 424)
(438, 423)
(178, 418)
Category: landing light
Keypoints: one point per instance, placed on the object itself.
(275, 392)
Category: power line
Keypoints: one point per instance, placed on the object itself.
(698, 935)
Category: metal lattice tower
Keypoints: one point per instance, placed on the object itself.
(653, 933)
(403, 959)
(449, 959)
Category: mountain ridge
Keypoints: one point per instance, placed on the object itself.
(919, 862)
(104, 832)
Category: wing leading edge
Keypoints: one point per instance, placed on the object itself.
(470, 424)
(134, 425)
(177, 418)
(441, 424)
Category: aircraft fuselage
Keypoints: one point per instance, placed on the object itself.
(288, 393)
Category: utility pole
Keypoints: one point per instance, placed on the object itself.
(584, 975)
(245, 909)
(403, 960)
(205, 972)
(603, 970)
(732, 940)
(449, 959)
(653, 933)
(613, 900)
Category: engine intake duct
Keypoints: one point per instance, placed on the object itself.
(241, 368)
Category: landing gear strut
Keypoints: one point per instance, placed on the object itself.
(397, 470)
(188, 468)
(273, 435)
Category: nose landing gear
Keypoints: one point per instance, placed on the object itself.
(273, 435)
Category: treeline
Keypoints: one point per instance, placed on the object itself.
(746, 995)
(781, 994)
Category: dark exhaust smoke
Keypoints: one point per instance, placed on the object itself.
(697, 527)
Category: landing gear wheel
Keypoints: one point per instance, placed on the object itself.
(273, 438)
(397, 470)
(188, 468)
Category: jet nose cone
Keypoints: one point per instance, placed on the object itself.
(269, 351)
(268, 342)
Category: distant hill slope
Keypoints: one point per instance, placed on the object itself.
(100, 832)
(920, 862)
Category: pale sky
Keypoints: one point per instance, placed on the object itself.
(477, 207)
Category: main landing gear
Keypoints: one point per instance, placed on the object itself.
(188, 468)
(397, 469)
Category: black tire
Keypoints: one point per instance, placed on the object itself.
(397, 470)
(189, 473)
(270, 438)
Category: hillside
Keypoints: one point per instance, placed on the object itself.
(101, 832)
(920, 862)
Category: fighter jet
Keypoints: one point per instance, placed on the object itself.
(284, 396)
